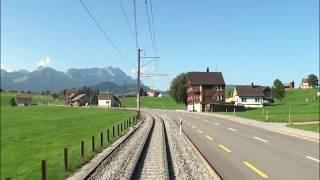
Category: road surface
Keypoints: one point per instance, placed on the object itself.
(240, 151)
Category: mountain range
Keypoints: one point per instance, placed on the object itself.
(47, 78)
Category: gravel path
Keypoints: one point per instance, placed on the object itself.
(120, 163)
(153, 163)
(186, 164)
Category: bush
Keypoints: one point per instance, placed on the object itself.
(13, 102)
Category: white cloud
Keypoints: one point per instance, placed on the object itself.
(44, 62)
(4, 68)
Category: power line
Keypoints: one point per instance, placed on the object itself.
(126, 18)
(150, 31)
(135, 23)
(104, 33)
(152, 22)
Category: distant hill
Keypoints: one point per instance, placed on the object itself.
(46, 78)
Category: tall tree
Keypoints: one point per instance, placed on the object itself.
(178, 89)
(278, 91)
(313, 80)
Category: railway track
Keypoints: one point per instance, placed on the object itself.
(143, 155)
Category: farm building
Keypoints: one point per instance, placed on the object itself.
(305, 84)
(79, 100)
(249, 96)
(289, 86)
(153, 93)
(108, 99)
(23, 99)
(205, 90)
(69, 94)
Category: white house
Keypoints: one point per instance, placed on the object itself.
(152, 93)
(248, 96)
(305, 84)
(107, 99)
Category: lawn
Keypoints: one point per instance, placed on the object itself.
(165, 102)
(295, 101)
(32, 133)
(309, 127)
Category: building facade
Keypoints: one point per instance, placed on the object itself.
(108, 99)
(249, 96)
(305, 84)
(204, 89)
(23, 99)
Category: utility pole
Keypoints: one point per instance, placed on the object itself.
(124, 93)
(138, 84)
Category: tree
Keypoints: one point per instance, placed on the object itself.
(29, 92)
(54, 95)
(12, 102)
(313, 80)
(278, 91)
(178, 89)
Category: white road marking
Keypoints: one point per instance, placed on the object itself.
(260, 139)
(231, 129)
(242, 122)
(216, 123)
(314, 159)
(206, 120)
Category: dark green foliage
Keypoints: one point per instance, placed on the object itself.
(313, 80)
(178, 89)
(54, 95)
(12, 102)
(278, 91)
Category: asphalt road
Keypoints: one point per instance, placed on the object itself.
(240, 151)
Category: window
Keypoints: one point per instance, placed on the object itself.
(244, 99)
(257, 99)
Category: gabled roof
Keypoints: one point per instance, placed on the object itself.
(205, 78)
(78, 97)
(105, 95)
(72, 95)
(23, 96)
(247, 90)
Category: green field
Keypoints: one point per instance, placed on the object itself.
(308, 127)
(294, 100)
(32, 133)
(165, 102)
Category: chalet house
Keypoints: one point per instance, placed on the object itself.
(80, 100)
(108, 99)
(23, 99)
(204, 89)
(305, 84)
(249, 96)
(69, 94)
(289, 86)
(153, 93)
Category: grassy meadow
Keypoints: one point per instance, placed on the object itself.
(308, 127)
(32, 133)
(295, 101)
(165, 102)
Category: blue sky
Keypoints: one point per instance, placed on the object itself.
(248, 40)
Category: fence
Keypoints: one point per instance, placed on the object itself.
(125, 125)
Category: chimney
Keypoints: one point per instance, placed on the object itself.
(207, 69)
(252, 85)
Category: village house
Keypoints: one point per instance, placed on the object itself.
(108, 99)
(23, 99)
(305, 84)
(289, 86)
(204, 90)
(153, 93)
(80, 100)
(69, 94)
(251, 95)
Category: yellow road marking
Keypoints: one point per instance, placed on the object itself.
(209, 137)
(224, 148)
(199, 131)
(193, 126)
(256, 170)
